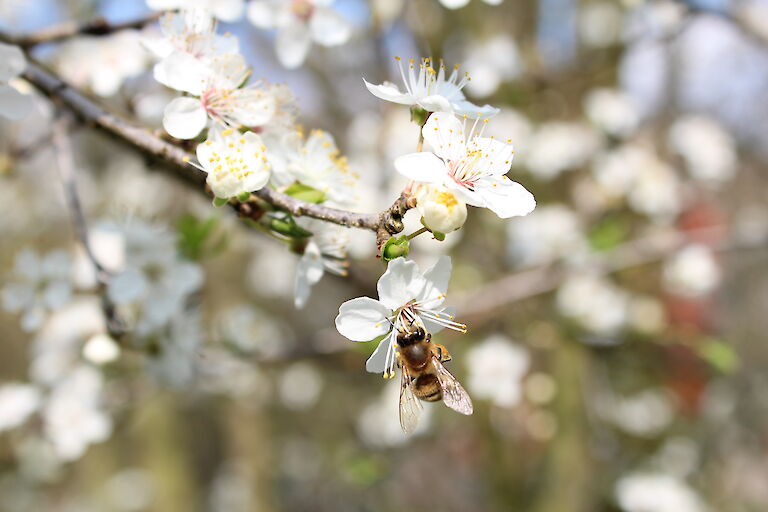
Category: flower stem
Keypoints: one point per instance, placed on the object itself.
(417, 233)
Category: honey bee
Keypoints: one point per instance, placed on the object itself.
(423, 377)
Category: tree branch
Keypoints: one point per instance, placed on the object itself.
(175, 160)
(96, 27)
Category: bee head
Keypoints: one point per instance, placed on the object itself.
(405, 338)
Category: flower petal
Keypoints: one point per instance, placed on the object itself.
(13, 104)
(328, 27)
(228, 10)
(377, 363)
(389, 92)
(437, 278)
(184, 118)
(453, 4)
(308, 272)
(12, 62)
(423, 167)
(292, 45)
(445, 133)
(435, 103)
(505, 197)
(464, 107)
(183, 72)
(401, 283)
(262, 14)
(362, 319)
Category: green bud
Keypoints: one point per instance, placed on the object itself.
(305, 193)
(395, 247)
(244, 197)
(419, 115)
(218, 202)
(288, 227)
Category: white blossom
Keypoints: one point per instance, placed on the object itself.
(17, 402)
(441, 210)
(656, 492)
(551, 232)
(299, 23)
(431, 90)
(594, 302)
(496, 369)
(326, 250)
(490, 63)
(13, 104)
(39, 285)
(559, 146)
(692, 272)
(471, 166)
(613, 111)
(406, 296)
(708, 150)
(225, 10)
(456, 4)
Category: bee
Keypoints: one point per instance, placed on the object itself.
(423, 377)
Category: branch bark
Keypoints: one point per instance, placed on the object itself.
(96, 27)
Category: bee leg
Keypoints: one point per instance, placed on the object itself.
(443, 355)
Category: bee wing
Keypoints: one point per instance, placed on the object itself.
(454, 394)
(410, 407)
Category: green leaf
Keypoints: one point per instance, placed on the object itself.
(609, 233)
(218, 202)
(720, 355)
(244, 197)
(287, 226)
(419, 115)
(305, 193)
(198, 239)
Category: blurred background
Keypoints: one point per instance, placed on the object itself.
(616, 348)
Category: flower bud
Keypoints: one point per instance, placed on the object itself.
(441, 210)
(305, 193)
(419, 115)
(395, 247)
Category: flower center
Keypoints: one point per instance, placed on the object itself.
(302, 9)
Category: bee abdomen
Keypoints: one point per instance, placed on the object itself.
(427, 388)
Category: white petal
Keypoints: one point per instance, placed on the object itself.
(12, 62)
(184, 118)
(262, 14)
(454, 4)
(308, 272)
(127, 287)
(505, 198)
(13, 104)
(292, 45)
(437, 278)
(378, 360)
(362, 319)
(435, 103)
(32, 319)
(17, 297)
(401, 283)
(56, 294)
(328, 27)
(424, 167)
(228, 10)
(493, 2)
(462, 107)
(445, 133)
(183, 72)
(389, 92)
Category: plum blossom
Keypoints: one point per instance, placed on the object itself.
(220, 97)
(13, 104)
(440, 209)
(594, 302)
(406, 296)
(225, 10)
(553, 231)
(17, 402)
(472, 167)
(708, 150)
(325, 251)
(299, 23)
(692, 272)
(40, 284)
(496, 370)
(456, 4)
(188, 44)
(236, 163)
(656, 492)
(155, 282)
(431, 90)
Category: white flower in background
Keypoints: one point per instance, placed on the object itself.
(708, 150)
(656, 492)
(326, 250)
(73, 417)
(249, 330)
(174, 354)
(613, 111)
(222, 99)
(406, 296)
(559, 146)
(111, 61)
(155, 282)
(315, 162)
(496, 370)
(692, 272)
(471, 166)
(300, 386)
(299, 23)
(441, 210)
(594, 302)
(553, 231)
(644, 414)
(378, 424)
(39, 285)
(431, 90)
(492, 62)
(225, 10)
(455, 4)
(236, 163)
(188, 45)
(13, 104)
(647, 315)
(600, 23)
(17, 402)
(101, 348)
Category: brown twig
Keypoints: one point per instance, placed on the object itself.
(96, 27)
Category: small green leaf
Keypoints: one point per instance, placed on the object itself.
(395, 247)
(287, 226)
(609, 233)
(197, 237)
(305, 193)
(244, 197)
(720, 355)
(218, 202)
(438, 236)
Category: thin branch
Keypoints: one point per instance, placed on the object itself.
(96, 27)
(537, 281)
(175, 160)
